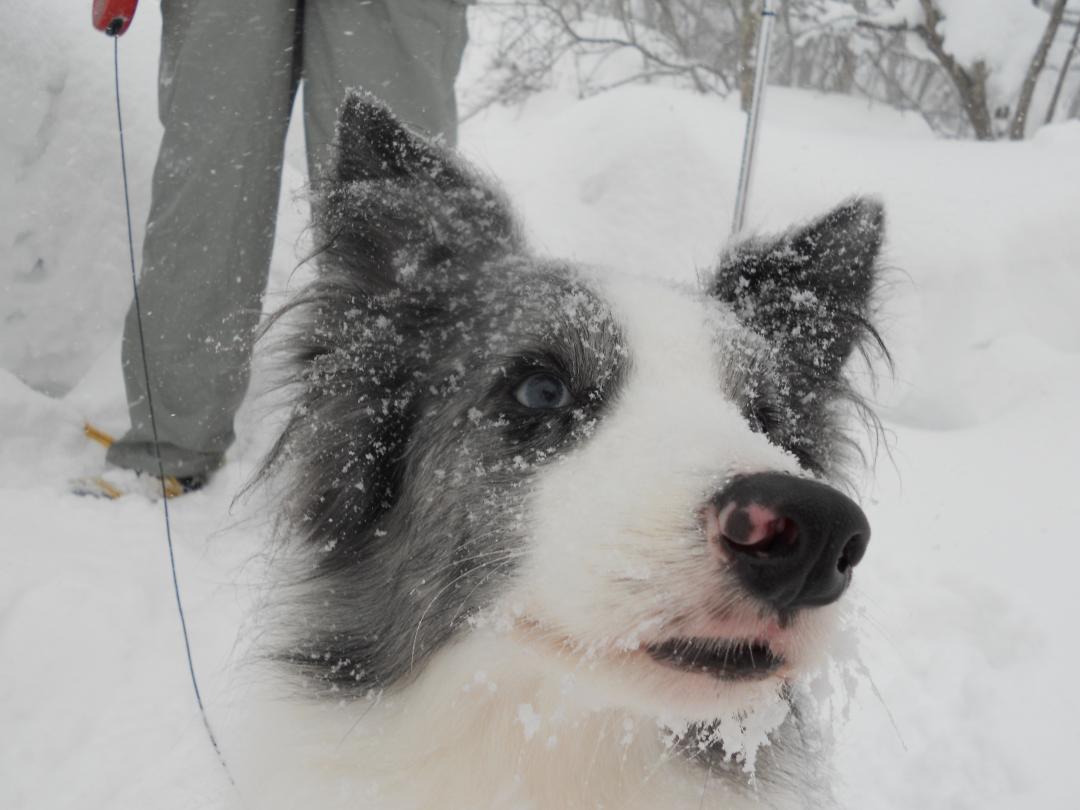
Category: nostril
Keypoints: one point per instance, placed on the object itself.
(771, 537)
(851, 554)
(843, 565)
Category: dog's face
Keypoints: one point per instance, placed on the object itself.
(623, 474)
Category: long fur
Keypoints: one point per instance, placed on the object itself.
(442, 525)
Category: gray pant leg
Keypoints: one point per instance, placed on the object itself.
(406, 52)
(226, 88)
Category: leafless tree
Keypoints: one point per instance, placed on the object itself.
(1063, 72)
(709, 45)
(685, 40)
(1031, 78)
(971, 80)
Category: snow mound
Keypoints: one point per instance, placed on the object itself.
(967, 597)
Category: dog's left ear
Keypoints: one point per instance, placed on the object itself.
(809, 291)
(398, 206)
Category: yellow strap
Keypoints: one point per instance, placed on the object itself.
(87, 486)
(99, 436)
(173, 488)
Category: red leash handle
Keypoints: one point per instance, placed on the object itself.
(113, 16)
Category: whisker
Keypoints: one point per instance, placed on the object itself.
(705, 786)
(500, 567)
(457, 562)
(348, 732)
(416, 634)
(885, 706)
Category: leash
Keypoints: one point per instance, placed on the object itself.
(114, 28)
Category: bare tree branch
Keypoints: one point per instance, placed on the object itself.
(970, 82)
(691, 66)
(1060, 83)
(708, 44)
(1031, 78)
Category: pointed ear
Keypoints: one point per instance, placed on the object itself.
(809, 291)
(372, 144)
(399, 205)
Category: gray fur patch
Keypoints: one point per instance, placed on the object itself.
(410, 453)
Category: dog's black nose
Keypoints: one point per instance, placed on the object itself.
(791, 541)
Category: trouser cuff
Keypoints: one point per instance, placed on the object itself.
(175, 461)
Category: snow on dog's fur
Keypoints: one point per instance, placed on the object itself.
(497, 466)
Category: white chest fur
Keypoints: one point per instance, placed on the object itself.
(489, 724)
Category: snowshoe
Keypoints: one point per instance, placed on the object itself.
(117, 482)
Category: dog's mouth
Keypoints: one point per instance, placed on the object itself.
(723, 659)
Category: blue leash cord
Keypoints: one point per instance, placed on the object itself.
(153, 425)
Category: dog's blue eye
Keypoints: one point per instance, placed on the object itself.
(543, 391)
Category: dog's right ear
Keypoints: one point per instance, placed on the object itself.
(398, 205)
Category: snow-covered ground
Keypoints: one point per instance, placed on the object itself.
(968, 596)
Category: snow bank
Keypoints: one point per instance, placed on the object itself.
(61, 207)
(967, 593)
(978, 233)
(63, 242)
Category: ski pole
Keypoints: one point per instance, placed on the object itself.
(761, 68)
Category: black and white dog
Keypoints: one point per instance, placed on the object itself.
(564, 536)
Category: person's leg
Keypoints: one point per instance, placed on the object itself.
(406, 52)
(227, 82)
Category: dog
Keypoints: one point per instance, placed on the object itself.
(560, 537)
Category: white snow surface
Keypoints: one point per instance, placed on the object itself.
(967, 598)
